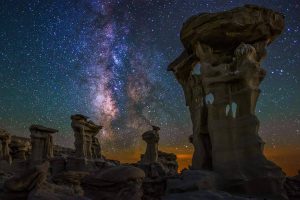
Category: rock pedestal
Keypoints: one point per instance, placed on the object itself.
(86, 143)
(5, 140)
(151, 138)
(230, 46)
(42, 143)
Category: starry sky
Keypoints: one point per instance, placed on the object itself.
(107, 59)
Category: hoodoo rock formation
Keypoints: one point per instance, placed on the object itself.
(229, 46)
(5, 140)
(151, 138)
(86, 143)
(228, 161)
(42, 143)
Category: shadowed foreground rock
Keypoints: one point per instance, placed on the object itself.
(207, 195)
(292, 186)
(21, 185)
(32, 185)
(115, 183)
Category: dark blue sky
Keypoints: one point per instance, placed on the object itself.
(107, 59)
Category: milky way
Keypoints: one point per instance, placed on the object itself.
(107, 59)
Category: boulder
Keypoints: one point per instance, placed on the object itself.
(19, 186)
(115, 183)
(71, 179)
(29, 180)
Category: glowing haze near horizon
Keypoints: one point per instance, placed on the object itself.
(107, 59)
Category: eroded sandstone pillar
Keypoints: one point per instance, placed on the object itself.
(230, 46)
(96, 147)
(86, 143)
(87, 146)
(151, 138)
(5, 140)
(79, 133)
(42, 143)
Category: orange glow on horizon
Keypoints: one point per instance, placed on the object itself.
(288, 158)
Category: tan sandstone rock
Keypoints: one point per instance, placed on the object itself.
(229, 46)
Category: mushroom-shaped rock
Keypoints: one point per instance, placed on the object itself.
(226, 30)
(151, 138)
(230, 47)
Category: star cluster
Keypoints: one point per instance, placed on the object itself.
(107, 59)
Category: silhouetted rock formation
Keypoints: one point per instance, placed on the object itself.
(229, 46)
(169, 161)
(192, 180)
(292, 186)
(157, 165)
(151, 138)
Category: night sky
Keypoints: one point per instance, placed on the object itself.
(107, 59)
